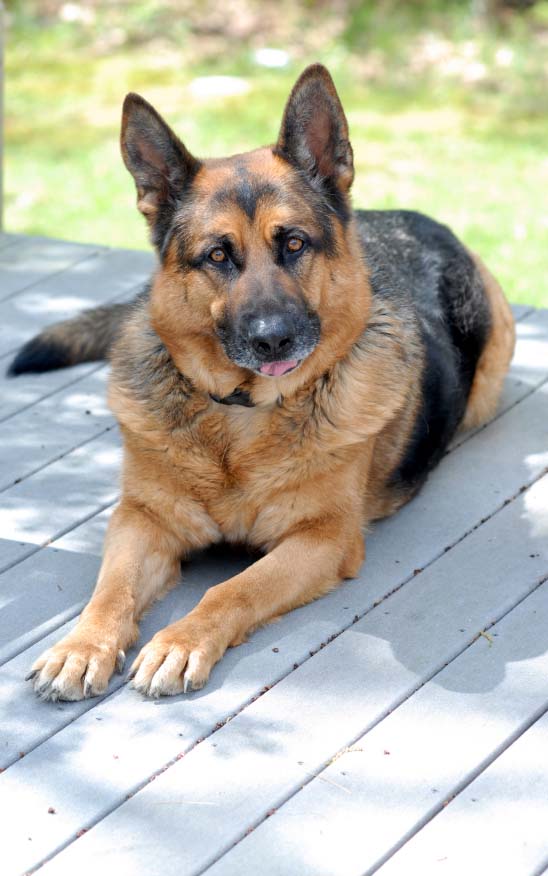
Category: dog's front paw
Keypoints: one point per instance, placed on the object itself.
(178, 659)
(75, 669)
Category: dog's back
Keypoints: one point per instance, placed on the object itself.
(418, 263)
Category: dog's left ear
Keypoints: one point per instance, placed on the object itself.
(159, 163)
(314, 132)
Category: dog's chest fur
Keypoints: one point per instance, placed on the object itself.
(248, 471)
(253, 466)
(249, 474)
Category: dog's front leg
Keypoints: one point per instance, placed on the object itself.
(301, 567)
(141, 562)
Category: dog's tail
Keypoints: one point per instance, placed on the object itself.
(84, 338)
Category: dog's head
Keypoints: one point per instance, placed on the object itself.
(260, 275)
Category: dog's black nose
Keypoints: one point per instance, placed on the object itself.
(271, 336)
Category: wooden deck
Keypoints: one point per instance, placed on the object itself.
(399, 725)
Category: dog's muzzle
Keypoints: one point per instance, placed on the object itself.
(272, 343)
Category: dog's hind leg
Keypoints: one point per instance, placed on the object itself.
(496, 355)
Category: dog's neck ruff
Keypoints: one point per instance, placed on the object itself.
(237, 397)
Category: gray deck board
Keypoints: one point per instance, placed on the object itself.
(39, 594)
(503, 815)
(9, 239)
(25, 264)
(253, 763)
(46, 431)
(390, 660)
(19, 394)
(89, 536)
(12, 552)
(96, 279)
(521, 310)
(63, 494)
(402, 773)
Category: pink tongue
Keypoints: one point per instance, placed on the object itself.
(276, 369)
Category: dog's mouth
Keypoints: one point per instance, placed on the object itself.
(248, 352)
(278, 369)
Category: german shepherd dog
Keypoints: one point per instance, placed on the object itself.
(294, 371)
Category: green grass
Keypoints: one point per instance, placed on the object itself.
(445, 117)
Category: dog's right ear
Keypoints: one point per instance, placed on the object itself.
(157, 160)
(314, 132)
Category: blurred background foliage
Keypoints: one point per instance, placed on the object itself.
(447, 104)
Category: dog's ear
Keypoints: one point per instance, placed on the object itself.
(157, 160)
(314, 132)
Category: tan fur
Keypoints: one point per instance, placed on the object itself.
(496, 356)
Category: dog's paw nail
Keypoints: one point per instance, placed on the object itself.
(131, 674)
(141, 687)
(120, 661)
(44, 691)
(32, 674)
(88, 689)
(191, 684)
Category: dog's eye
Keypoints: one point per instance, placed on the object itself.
(294, 244)
(217, 255)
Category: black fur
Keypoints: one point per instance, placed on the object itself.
(416, 262)
(87, 337)
(39, 355)
(238, 397)
(246, 193)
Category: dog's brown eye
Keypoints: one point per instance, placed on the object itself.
(217, 255)
(294, 244)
